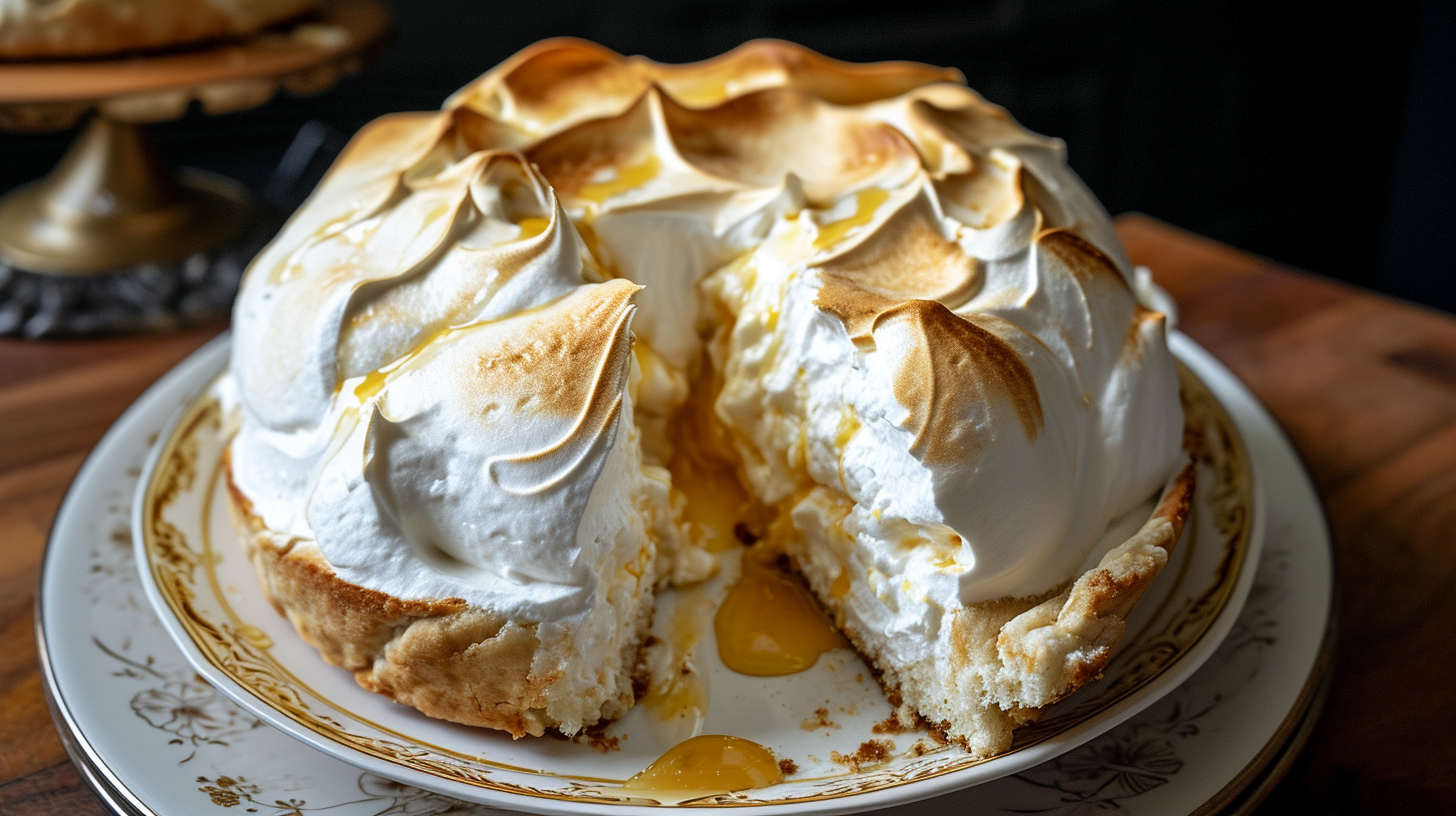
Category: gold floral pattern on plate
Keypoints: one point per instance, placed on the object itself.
(176, 532)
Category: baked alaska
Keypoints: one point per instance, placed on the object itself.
(480, 375)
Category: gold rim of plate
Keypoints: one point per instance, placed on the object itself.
(183, 570)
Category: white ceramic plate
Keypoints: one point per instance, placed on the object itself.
(203, 588)
(151, 737)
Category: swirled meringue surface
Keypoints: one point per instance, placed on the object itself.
(913, 307)
(471, 473)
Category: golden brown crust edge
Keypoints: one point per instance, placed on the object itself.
(448, 660)
(1062, 644)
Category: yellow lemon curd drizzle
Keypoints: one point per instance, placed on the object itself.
(769, 624)
(866, 202)
(707, 764)
(627, 178)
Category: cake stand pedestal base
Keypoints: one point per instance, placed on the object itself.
(111, 241)
(146, 297)
(111, 204)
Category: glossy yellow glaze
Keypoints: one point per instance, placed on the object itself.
(715, 504)
(628, 178)
(531, 226)
(685, 694)
(866, 202)
(769, 624)
(708, 764)
(372, 383)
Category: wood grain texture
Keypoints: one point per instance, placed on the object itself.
(55, 791)
(56, 399)
(1365, 387)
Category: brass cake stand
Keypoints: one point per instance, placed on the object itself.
(111, 204)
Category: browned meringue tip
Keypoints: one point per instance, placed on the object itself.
(956, 362)
(766, 63)
(1079, 255)
(551, 78)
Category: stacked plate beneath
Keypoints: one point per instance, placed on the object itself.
(165, 682)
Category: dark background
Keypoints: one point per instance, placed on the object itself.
(1317, 139)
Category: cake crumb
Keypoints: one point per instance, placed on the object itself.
(819, 720)
(871, 752)
(889, 725)
(919, 748)
(594, 736)
(901, 719)
(787, 767)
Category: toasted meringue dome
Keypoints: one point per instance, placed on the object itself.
(931, 357)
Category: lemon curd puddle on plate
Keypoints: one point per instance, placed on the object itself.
(765, 623)
(769, 624)
(706, 765)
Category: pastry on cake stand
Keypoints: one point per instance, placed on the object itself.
(112, 240)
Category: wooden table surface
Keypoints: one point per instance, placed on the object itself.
(1364, 385)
